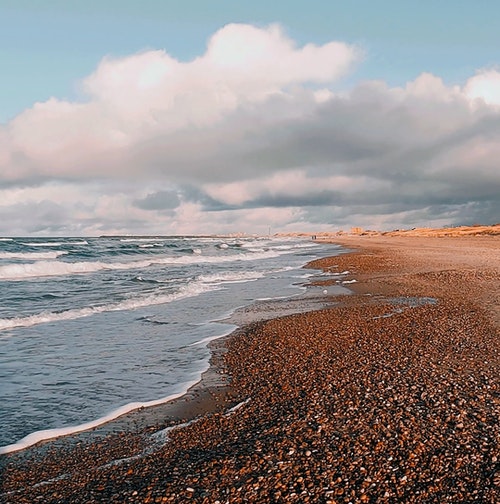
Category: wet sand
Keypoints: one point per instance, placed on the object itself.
(388, 395)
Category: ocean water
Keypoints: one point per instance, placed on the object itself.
(91, 328)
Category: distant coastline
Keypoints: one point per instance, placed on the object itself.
(476, 230)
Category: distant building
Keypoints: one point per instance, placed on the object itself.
(356, 230)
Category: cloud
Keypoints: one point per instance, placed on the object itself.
(485, 86)
(161, 200)
(142, 98)
(252, 133)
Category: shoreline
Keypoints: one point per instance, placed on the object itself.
(306, 408)
(203, 396)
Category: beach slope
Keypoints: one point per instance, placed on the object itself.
(392, 395)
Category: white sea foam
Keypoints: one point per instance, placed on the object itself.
(150, 245)
(82, 242)
(295, 246)
(6, 239)
(50, 268)
(304, 276)
(131, 240)
(160, 438)
(58, 268)
(232, 277)
(237, 407)
(43, 435)
(42, 244)
(208, 339)
(54, 244)
(190, 290)
(31, 255)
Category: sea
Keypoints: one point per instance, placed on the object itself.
(91, 328)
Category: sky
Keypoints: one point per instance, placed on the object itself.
(195, 117)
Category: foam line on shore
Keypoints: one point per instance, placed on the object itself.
(44, 435)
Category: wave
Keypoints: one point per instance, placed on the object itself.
(49, 268)
(295, 246)
(151, 245)
(230, 328)
(42, 244)
(83, 242)
(190, 290)
(31, 255)
(140, 278)
(132, 240)
(204, 283)
(54, 244)
(284, 248)
(58, 268)
(6, 239)
(231, 277)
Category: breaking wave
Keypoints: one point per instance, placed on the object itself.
(58, 268)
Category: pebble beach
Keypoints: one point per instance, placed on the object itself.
(391, 394)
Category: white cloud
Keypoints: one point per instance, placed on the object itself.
(430, 87)
(136, 99)
(485, 85)
(253, 130)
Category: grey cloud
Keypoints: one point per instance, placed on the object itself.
(169, 200)
(44, 216)
(161, 200)
(377, 137)
(317, 198)
(408, 143)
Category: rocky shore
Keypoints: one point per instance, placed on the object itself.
(390, 396)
